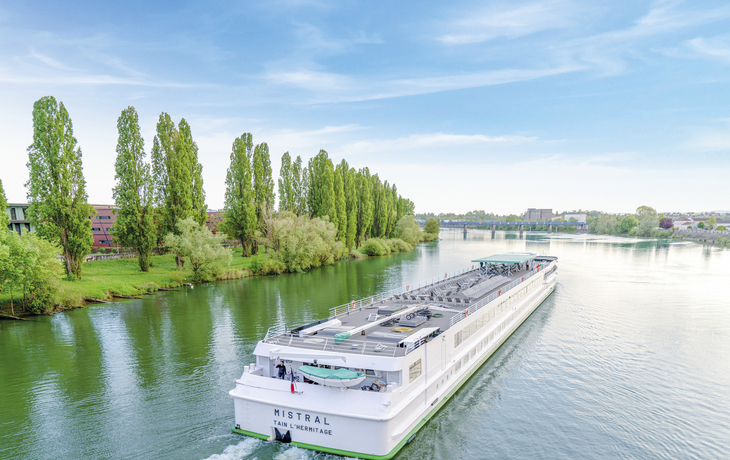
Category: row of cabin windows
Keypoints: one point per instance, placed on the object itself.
(484, 319)
(481, 346)
(98, 229)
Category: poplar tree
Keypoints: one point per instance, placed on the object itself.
(177, 177)
(263, 183)
(56, 188)
(341, 215)
(365, 205)
(134, 226)
(286, 184)
(189, 154)
(164, 179)
(349, 181)
(321, 196)
(300, 184)
(240, 210)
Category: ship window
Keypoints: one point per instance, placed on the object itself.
(473, 328)
(414, 371)
(466, 360)
(473, 352)
(465, 333)
(457, 339)
(457, 368)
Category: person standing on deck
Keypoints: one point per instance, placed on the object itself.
(282, 370)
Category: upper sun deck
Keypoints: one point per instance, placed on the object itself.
(396, 322)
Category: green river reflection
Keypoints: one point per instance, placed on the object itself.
(628, 358)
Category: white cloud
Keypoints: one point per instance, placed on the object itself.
(421, 141)
(331, 87)
(311, 80)
(714, 48)
(510, 21)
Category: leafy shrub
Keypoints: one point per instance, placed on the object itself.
(297, 243)
(701, 225)
(398, 245)
(201, 248)
(265, 264)
(408, 230)
(428, 237)
(432, 226)
(374, 247)
(721, 228)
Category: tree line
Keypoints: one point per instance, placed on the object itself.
(163, 199)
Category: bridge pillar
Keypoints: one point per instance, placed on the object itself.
(464, 229)
(522, 229)
(550, 228)
(494, 229)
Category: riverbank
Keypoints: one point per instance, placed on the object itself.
(107, 279)
(701, 236)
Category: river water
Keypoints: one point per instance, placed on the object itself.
(628, 358)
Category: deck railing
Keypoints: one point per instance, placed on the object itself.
(357, 304)
(502, 291)
(349, 346)
(344, 309)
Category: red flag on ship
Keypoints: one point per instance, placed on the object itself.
(292, 382)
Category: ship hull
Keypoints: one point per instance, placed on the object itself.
(374, 426)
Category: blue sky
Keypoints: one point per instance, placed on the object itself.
(463, 105)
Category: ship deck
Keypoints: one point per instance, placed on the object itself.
(442, 304)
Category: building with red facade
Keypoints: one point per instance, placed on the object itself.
(102, 225)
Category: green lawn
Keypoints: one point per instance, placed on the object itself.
(101, 279)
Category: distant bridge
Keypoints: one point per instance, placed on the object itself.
(580, 226)
(475, 224)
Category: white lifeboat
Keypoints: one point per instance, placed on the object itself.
(339, 378)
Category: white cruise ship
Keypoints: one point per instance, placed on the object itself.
(362, 382)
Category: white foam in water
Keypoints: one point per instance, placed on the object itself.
(295, 453)
(239, 451)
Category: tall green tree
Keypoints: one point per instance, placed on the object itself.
(177, 177)
(340, 205)
(287, 196)
(321, 196)
(263, 183)
(352, 198)
(4, 218)
(301, 180)
(56, 188)
(365, 205)
(172, 196)
(350, 195)
(240, 210)
(189, 153)
(135, 225)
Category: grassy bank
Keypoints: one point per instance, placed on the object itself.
(105, 278)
